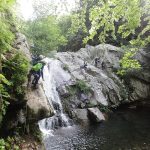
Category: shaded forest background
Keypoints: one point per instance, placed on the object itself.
(90, 22)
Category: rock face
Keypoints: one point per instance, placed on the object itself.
(106, 88)
(96, 115)
(33, 107)
(139, 80)
(38, 105)
(141, 89)
(81, 115)
(98, 85)
(22, 45)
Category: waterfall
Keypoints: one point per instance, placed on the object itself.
(54, 76)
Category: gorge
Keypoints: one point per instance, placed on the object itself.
(91, 95)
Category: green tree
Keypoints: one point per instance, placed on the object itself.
(131, 14)
(6, 35)
(6, 40)
(74, 40)
(45, 34)
(128, 19)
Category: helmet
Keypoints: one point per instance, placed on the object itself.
(43, 61)
(41, 57)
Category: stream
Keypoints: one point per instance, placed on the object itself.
(124, 130)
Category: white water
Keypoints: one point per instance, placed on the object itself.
(54, 76)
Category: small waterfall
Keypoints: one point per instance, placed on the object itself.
(54, 76)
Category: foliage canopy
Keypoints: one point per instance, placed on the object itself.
(125, 21)
(45, 34)
(6, 35)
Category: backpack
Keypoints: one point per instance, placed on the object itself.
(37, 67)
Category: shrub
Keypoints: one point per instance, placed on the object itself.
(82, 86)
(65, 67)
(9, 143)
(105, 109)
(16, 70)
(3, 95)
(3, 82)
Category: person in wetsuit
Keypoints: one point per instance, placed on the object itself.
(37, 72)
(84, 66)
(97, 60)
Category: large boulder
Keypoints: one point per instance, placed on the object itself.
(139, 80)
(106, 88)
(141, 90)
(85, 116)
(81, 116)
(38, 105)
(96, 115)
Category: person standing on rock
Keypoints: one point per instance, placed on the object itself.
(37, 72)
(36, 59)
(97, 60)
(84, 66)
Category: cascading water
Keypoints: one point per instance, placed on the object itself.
(54, 76)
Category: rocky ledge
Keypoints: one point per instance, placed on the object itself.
(93, 89)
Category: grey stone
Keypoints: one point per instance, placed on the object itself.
(141, 89)
(106, 87)
(63, 91)
(100, 81)
(92, 103)
(22, 45)
(81, 115)
(96, 115)
(21, 117)
(38, 105)
(83, 97)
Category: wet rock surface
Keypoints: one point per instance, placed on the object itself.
(37, 104)
(96, 115)
(81, 115)
(106, 88)
(102, 81)
(139, 80)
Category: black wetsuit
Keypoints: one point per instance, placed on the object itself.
(97, 60)
(84, 66)
(36, 74)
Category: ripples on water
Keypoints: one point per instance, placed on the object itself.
(125, 130)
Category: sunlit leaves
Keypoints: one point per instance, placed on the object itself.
(127, 62)
(45, 34)
(133, 24)
(104, 17)
(4, 80)
(78, 23)
(5, 4)
(6, 36)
